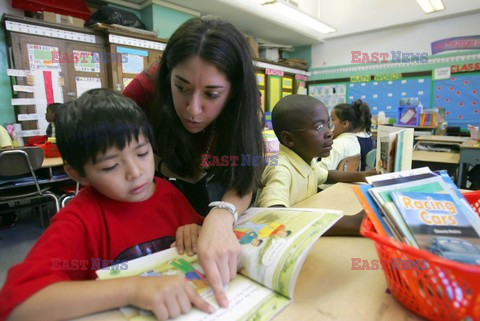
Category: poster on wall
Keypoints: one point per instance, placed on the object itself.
(85, 61)
(132, 64)
(47, 89)
(42, 57)
(330, 95)
(126, 82)
(86, 83)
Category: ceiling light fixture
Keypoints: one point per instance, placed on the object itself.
(429, 6)
(283, 8)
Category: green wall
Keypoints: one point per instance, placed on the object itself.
(166, 20)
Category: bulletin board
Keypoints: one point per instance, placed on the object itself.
(460, 96)
(385, 95)
(331, 94)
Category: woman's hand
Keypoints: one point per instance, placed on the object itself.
(219, 252)
(186, 239)
(166, 296)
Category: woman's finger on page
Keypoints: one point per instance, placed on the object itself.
(215, 279)
(179, 240)
(232, 265)
(197, 300)
(225, 268)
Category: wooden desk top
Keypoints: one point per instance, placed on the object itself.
(338, 196)
(442, 139)
(436, 157)
(470, 143)
(52, 161)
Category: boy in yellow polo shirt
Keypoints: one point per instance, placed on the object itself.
(303, 126)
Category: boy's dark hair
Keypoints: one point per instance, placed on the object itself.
(96, 121)
(54, 106)
(238, 130)
(292, 112)
(357, 113)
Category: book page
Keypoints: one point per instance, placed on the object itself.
(246, 297)
(276, 241)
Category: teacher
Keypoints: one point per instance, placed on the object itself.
(205, 108)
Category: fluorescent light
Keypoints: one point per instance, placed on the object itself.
(429, 6)
(293, 14)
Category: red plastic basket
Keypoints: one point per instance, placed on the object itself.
(435, 288)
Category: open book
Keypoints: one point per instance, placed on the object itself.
(275, 243)
(394, 149)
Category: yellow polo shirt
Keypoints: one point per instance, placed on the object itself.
(289, 181)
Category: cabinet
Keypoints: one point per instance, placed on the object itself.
(276, 81)
(62, 62)
(130, 55)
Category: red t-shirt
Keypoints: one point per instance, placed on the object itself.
(90, 228)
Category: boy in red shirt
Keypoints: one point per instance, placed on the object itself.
(123, 213)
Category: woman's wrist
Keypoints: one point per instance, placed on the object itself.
(230, 207)
(221, 214)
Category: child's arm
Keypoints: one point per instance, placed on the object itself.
(166, 296)
(335, 176)
(186, 239)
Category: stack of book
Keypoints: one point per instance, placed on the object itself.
(429, 117)
(424, 209)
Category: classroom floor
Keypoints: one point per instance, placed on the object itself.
(16, 241)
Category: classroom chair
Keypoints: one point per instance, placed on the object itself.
(350, 164)
(370, 159)
(69, 194)
(17, 167)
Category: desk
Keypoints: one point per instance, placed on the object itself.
(441, 139)
(52, 162)
(327, 287)
(469, 154)
(440, 159)
(435, 157)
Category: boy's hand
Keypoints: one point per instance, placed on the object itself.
(166, 296)
(186, 239)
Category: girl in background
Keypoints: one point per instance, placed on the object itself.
(364, 131)
(347, 119)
